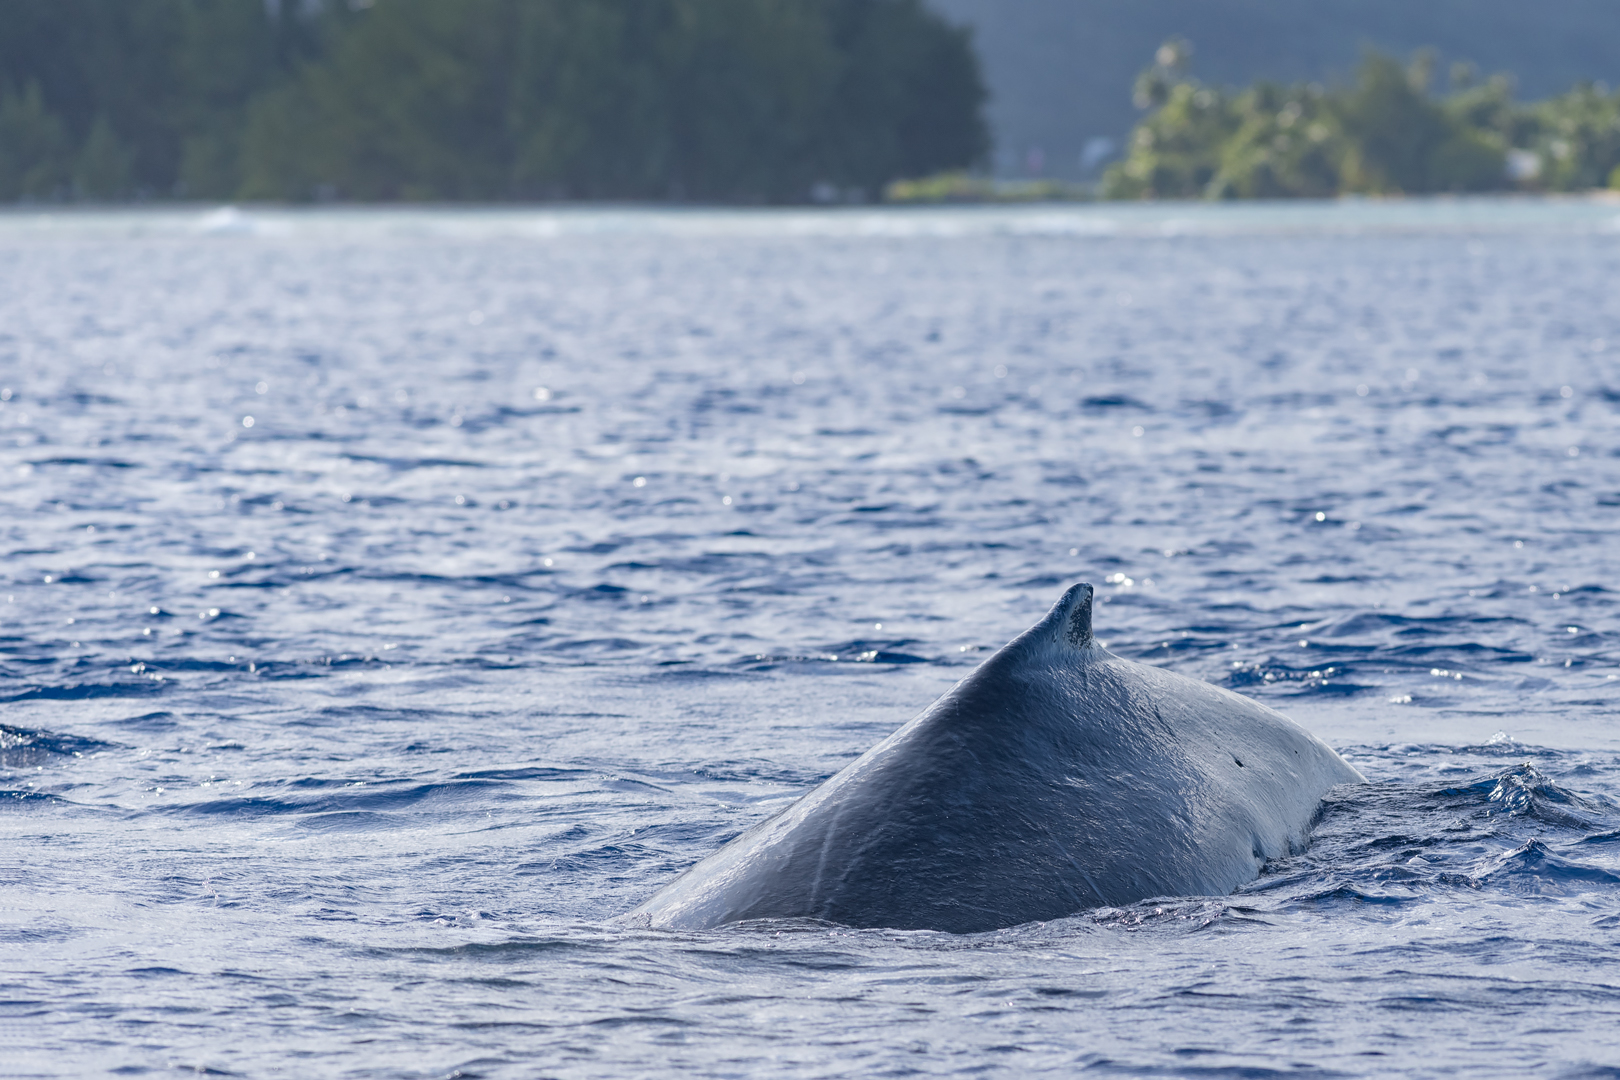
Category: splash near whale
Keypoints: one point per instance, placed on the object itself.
(1055, 778)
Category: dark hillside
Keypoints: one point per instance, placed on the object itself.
(745, 101)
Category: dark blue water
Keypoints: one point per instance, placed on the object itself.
(563, 547)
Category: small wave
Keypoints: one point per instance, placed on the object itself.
(347, 821)
(1513, 830)
(843, 653)
(530, 773)
(407, 464)
(1351, 894)
(1329, 679)
(1458, 653)
(84, 691)
(1523, 791)
(328, 797)
(23, 748)
(101, 463)
(876, 652)
(587, 649)
(27, 797)
(1172, 913)
(152, 721)
(1368, 623)
(1105, 402)
(1533, 869)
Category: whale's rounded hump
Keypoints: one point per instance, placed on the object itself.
(1056, 777)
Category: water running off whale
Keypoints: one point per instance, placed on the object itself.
(1055, 778)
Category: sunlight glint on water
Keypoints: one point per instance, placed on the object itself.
(561, 547)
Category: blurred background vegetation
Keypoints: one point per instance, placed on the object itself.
(736, 101)
(707, 100)
(1060, 71)
(1382, 133)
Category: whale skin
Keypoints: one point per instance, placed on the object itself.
(1055, 778)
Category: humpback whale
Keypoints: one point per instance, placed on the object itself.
(1056, 777)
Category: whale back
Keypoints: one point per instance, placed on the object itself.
(1054, 778)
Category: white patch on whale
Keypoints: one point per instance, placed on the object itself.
(1056, 777)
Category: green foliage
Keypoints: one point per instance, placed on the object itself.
(1385, 133)
(908, 100)
(1287, 143)
(105, 166)
(1577, 137)
(33, 147)
(732, 100)
(1393, 129)
(1176, 154)
(227, 53)
(410, 103)
(962, 187)
(1269, 141)
(708, 99)
(159, 85)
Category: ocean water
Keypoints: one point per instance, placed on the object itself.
(392, 599)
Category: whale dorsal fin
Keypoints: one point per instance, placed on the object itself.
(1068, 624)
(1064, 635)
(1076, 606)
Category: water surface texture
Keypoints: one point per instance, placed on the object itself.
(390, 600)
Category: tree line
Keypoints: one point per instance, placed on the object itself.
(1385, 132)
(705, 100)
